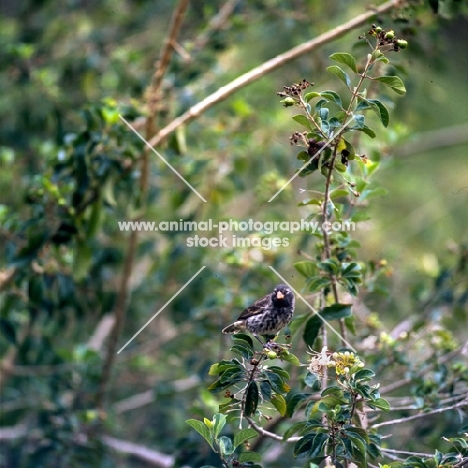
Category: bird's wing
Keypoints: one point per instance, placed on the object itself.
(256, 308)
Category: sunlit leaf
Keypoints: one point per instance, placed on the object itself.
(346, 59)
(202, 430)
(342, 75)
(394, 82)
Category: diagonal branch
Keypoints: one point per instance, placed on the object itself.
(124, 287)
(268, 66)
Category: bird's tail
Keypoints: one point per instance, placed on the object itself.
(230, 329)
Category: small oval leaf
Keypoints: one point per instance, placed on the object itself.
(251, 399)
(345, 58)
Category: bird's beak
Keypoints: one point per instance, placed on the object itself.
(279, 295)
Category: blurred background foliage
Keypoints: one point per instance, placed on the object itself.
(70, 171)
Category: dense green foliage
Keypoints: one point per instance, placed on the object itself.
(75, 288)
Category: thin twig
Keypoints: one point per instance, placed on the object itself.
(216, 23)
(461, 463)
(124, 287)
(269, 66)
(153, 95)
(421, 415)
(400, 383)
(151, 456)
(269, 434)
(7, 363)
(404, 452)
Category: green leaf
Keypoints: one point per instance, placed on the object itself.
(359, 119)
(279, 402)
(82, 259)
(219, 421)
(306, 268)
(310, 201)
(302, 119)
(303, 156)
(266, 390)
(244, 337)
(380, 403)
(303, 445)
(350, 323)
(249, 457)
(364, 374)
(332, 96)
(294, 401)
(363, 105)
(214, 369)
(333, 390)
(202, 430)
(331, 266)
(318, 445)
(8, 330)
(318, 283)
(373, 192)
(284, 374)
(277, 383)
(243, 435)
(297, 322)
(346, 59)
(340, 167)
(380, 110)
(218, 386)
(312, 330)
(251, 399)
(336, 311)
(95, 218)
(225, 445)
(329, 402)
(108, 191)
(232, 375)
(242, 350)
(313, 381)
(311, 95)
(394, 82)
(342, 75)
(289, 357)
(337, 193)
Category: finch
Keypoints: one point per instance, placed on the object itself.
(267, 316)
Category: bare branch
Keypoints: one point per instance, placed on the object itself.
(267, 67)
(13, 432)
(166, 54)
(6, 277)
(403, 452)
(434, 139)
(158, 459)
(124, 288)
(101, 332)
(216, 23)
(153, 457)
(446, 357)
(422, 415)
(269, 434)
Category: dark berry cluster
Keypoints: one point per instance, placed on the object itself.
(298, 137)
(296, 89)
(387, 39)
(313, 146)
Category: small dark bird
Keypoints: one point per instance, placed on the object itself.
(267, 316)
